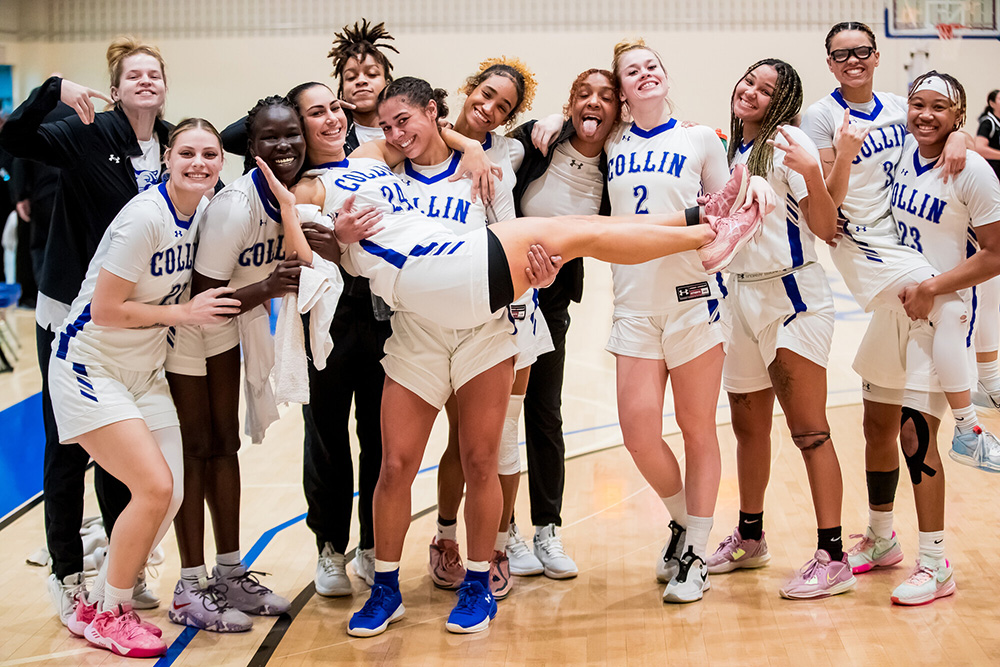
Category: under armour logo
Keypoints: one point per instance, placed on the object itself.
(178, 233)
(114, 158)
(866, 386)
(261, 222)
(574, 163)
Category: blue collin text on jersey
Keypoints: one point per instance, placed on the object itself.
(449, 208)
(352, 180)
(922, 205)
(661, 162)
(263, 253)
(171, 260)
(879, 139)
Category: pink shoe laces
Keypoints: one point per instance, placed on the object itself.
(865, 544)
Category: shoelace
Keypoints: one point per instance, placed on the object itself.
(553, 546)
(212, 598)
(920, 575)
(809, 569)
(330, 565)
(466, 598)
(376, 601)
(518, 548)
(728, 542)
(450, 558)
(129, 624)
(865, 544)
(250, 583)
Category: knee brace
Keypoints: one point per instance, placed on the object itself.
(508, 456)
(915, 461)
(810, 440)
(882, 486)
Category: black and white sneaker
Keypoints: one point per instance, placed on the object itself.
(666, 567)
(690, 582)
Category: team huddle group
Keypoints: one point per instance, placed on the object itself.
(436, 264)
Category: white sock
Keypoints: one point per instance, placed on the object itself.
(880, 523)
(477, 565)
(501, 542)
(196, 573)
(386, 565)
(677, 507)
(698, 528)
(115, 596)
(931, 545)
(447, 532)
(228, 562)
(989, 375)
(96, 593)
(965, 419)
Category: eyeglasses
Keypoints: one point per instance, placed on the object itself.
(859, 52)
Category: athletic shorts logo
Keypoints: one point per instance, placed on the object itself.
(518, 311)
(694, 291)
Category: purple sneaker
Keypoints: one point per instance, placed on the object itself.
(731, 198)
(197, 605)
(736, 553)
(820, 578)
(731, 234)
(242, 590)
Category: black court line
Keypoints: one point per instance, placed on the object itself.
(277, 632)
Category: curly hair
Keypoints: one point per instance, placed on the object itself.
(955, 92)
(512, 69)
(786, 101)
(361, 41)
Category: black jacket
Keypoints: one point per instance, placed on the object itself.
(96, 181)
(570, 278)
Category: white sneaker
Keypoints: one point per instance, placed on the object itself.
(986, 399)
(143, 597)
(978, 448)
(549, 551)
(666, 567)
(63, 594)
(331, 573)
(523, 561)
(690, 582)
(928, 582)
(364, 565)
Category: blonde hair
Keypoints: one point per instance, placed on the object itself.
(122, 48)
(510, 68)
(623, 47)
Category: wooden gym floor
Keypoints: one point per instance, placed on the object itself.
(614, 527)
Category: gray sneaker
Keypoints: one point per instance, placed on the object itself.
(198, 605)
(243, 590)
(523, 561)
(549, 551)
(63, 594)
(143, 597)
(331, 573)
(364, 565)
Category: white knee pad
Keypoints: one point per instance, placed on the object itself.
(169, 440)
(508, 456)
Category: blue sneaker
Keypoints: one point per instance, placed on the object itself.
(979, 449)
(475, 608)
(384, 606)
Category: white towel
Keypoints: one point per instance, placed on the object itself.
(258, 359)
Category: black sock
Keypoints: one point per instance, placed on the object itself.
(751, 525)
(447, 522)
(829, 540)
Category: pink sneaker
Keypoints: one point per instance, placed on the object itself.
(85, 613)
(446, 566)
(731, 198)
(736, 553)
(500, 581)
(121, 632)
(731, 234)
(820, 578)
(873, 551)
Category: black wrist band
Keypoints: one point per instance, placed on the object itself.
(692, 216)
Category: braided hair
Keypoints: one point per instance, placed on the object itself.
(417, 93)
(786, 101)
(955, 91)
(849, 25)
(361, 41)
(251, 122)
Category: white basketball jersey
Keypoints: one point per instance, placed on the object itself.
(663, 170)
(242, 239)
(507, 154)
(572, 185)
(786, 241)
(937, 218)
(146, 244)
(448, 202)
(406, 232)
(864, 215)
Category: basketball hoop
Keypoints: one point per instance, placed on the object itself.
(946, 31)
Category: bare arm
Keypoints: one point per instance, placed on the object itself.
(111, 308)
(983, 148)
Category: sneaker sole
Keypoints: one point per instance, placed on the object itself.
(446, 585)
(746, 564)
(371, 632)
(944, 591)
(478, 627)
(116, 648)
(971, 462)
(741, 198)
(191, 621)
(871, 565)
(675, 599)
(502, 593)
(334, 592)
(526, 572)
(842, 587)
(553, 574)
